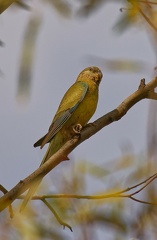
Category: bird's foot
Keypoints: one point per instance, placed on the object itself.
(77, 128)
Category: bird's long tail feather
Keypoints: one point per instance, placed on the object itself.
(30, 194)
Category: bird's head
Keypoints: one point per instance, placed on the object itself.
(92, 73)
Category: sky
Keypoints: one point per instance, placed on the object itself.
(63, 48)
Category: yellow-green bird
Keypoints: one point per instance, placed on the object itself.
(77, 107)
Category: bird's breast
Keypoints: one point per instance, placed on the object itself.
(85, 110)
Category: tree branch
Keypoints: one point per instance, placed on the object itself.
(61, 222)
(144, 91)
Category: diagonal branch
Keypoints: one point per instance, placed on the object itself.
(143, 92)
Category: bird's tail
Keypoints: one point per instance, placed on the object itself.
(35, 185)
(30, 194)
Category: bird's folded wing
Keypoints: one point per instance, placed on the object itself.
(68, 105)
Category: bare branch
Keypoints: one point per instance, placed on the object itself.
(56, 215)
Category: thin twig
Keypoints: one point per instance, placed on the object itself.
(64, 224)
(10, 209)
(147, 2)
(147, 183)
(137, 185)
(147, 19)
(141, 201)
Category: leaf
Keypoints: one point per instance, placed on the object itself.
(89, 7)
(92, 169)
(120, 65)
(27, 58)
(61, 6)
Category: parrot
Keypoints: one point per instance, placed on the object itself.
(76, 107)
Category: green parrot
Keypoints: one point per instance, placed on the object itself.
(77, 107)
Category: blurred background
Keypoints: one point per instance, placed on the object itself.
(43, 47)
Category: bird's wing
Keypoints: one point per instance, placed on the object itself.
(68, 105)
